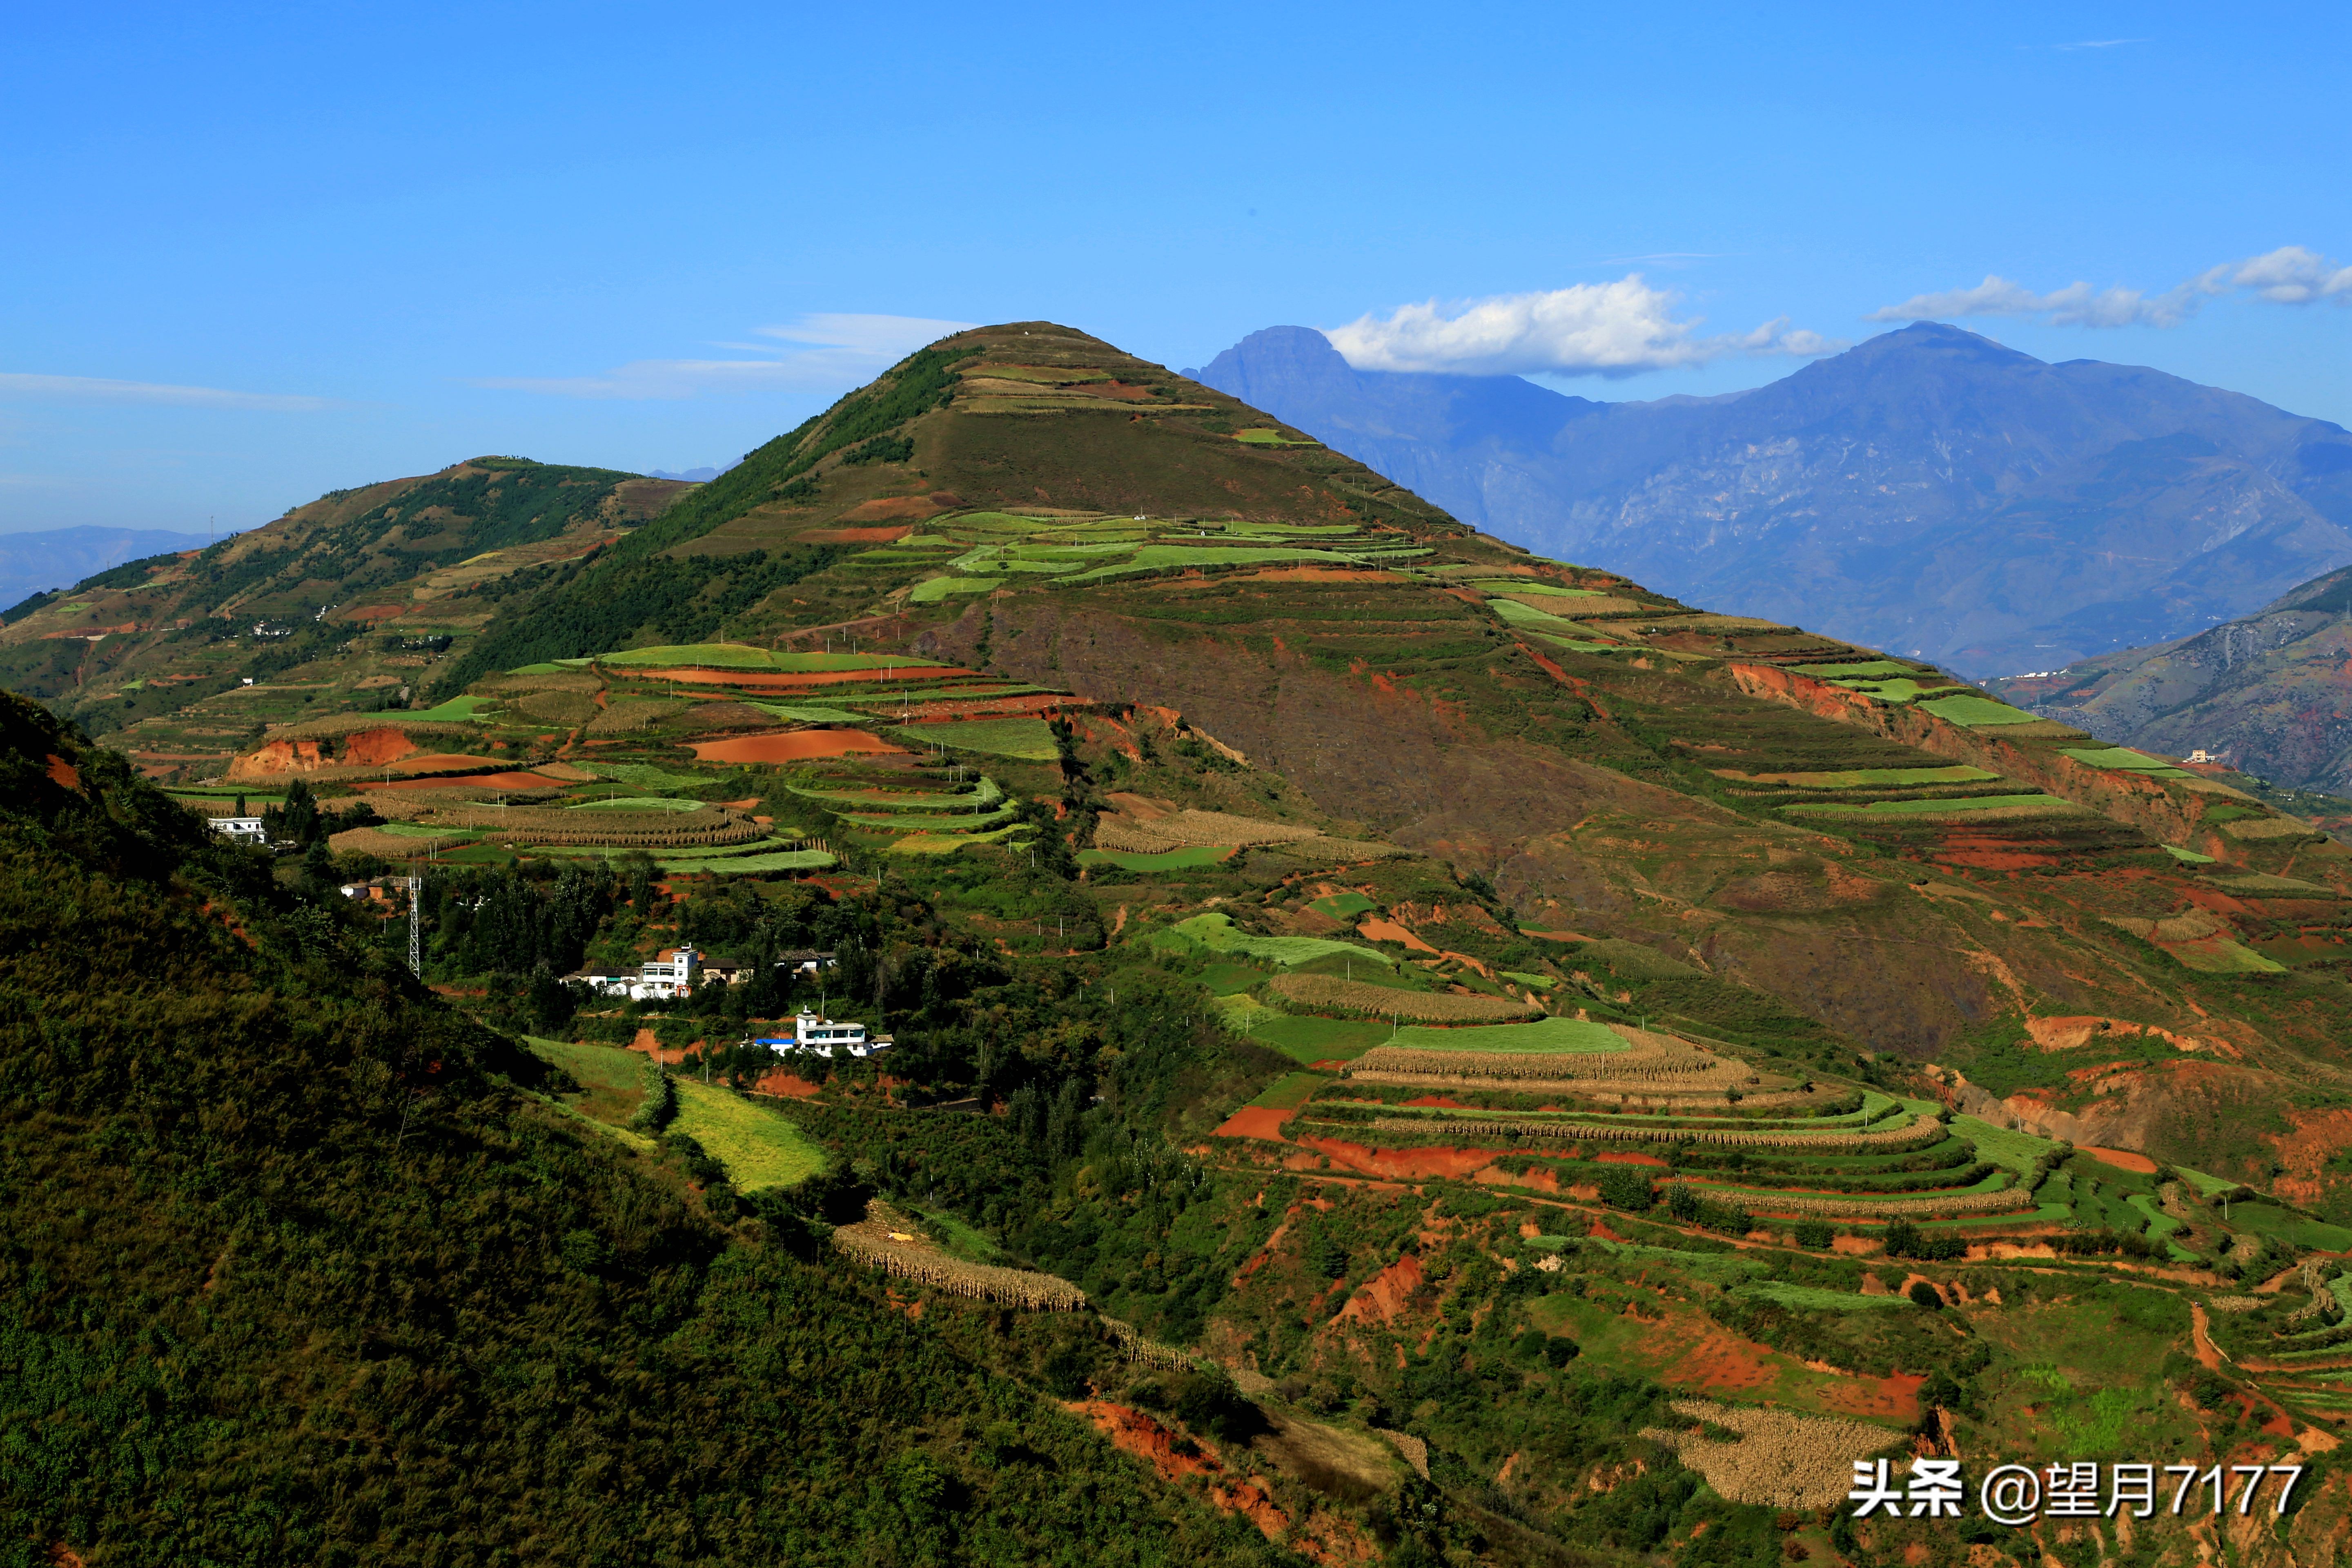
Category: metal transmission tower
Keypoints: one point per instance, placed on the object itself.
(415, 925)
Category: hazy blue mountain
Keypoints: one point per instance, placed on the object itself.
(702, 476)
(60, 557)
(1928, 490)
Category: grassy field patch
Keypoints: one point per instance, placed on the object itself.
(760, 1147)
(1191, 856)
(1815, 1298)
(753, 864)
(2004, 1147)
(1217, 933)
(938, 588)
(1319, 1040)
(1864, 778)
(1343, 906)
(1936, 807)
(1028, 740)
(639, 802)
(457, 707)
(1977, 713)
(1572, 1037)
(1290, 1091)
(806, 715)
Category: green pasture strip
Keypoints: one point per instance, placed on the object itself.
(1292, 530)
(1028, 740)
(2206, 1186)
(1217, 933)
(709, 655)
(802, 714)
(2159, 1223)
(1977, 712)
(1932, 807)
(1585, 645)
(1343, 906)
(1899, 690)
(667, 855)
(1816, 1299)
(932, 590)
(1726, 1269)
(1999, 1181)
(595, 1065)
(2122, 757)
(2011, 1149)
(1862, 669)
(2281, 1225)
(1532, 982)
(1565, 1037)
(1290, 1091)
(1164, 860)
(549, 669)
(1158, 557)
(929, 821)
(1269, 438)
(1864, 778)
(455, 709)
(639, 802)
(2218, 955)
(761, 1149)
(1526, 616)
(418, 830)
(910, 800)
(2188, 857)
(1308, 1040)
(949, 843)
(753, 864)
(1544, 590)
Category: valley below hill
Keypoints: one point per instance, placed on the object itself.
(1377, 1045)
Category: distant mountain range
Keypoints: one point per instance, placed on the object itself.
(1928, 490)
(60, 557)
(2268, 694)
(702, 476)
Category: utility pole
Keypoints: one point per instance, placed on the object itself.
(416, 923)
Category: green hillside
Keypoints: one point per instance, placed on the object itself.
(1400, 1050)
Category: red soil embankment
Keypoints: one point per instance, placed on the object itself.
(784, 1085)
(1254, 1121)
(799, 745)
(1383, 1296)
(1148, 1440)
(2121, 1159)
(795, 677)
(1409, 1165)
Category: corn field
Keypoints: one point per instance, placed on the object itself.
(1190, 829)
(1628, 1067)
(1329, 992)
(1862, 1205)
(623, 829)
(391, 845)
(868, 1242)
(1920, 1133)
(1780, 1460)
(1150, 1352)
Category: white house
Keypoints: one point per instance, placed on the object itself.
(822, 1037)
(667, 978)
(244, 827)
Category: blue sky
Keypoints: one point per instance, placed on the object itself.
(258, 253)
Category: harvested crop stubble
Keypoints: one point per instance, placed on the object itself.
(1691, 1068)
(1329, 992)
(629, 713)
(1862, 1205)
(892, 1245)
(1918, 1135)
(1781, 1460)
(1184, 829)
(392, 846)
(652, 829)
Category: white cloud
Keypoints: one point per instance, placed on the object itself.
(821, 353)
(1587, 329)
(85, 388)
(2290, 275)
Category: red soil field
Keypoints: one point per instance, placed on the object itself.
(471, 781)
(856, 535)
(1412, 1164)
(442, 763)
(2121, 1159)
(1627, 1157)
(1254, 1121)
(782, 679)
(795, 746)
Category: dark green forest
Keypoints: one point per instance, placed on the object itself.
(296, 1268)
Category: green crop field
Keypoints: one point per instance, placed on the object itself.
(1901, 688)
(1216, 933)
(753, 864)
(1576, 1036)
(1318, 1040)
(1858, 669)
(806, 715)
(1343, 906)
(2282, 1224)
(457, 707)
(1269, 438)
(1865, 778)
(1977, 713)
(2014, 1151)
(1160, 557)
(760, 1147)
(1165, 860)
(1290, 1091)
(1814, 1298)
(1547, 590)
(1933, 807)
(1028, 740)
(647, 778)
(1520, 615)
(2125, 760)
(938, 588)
